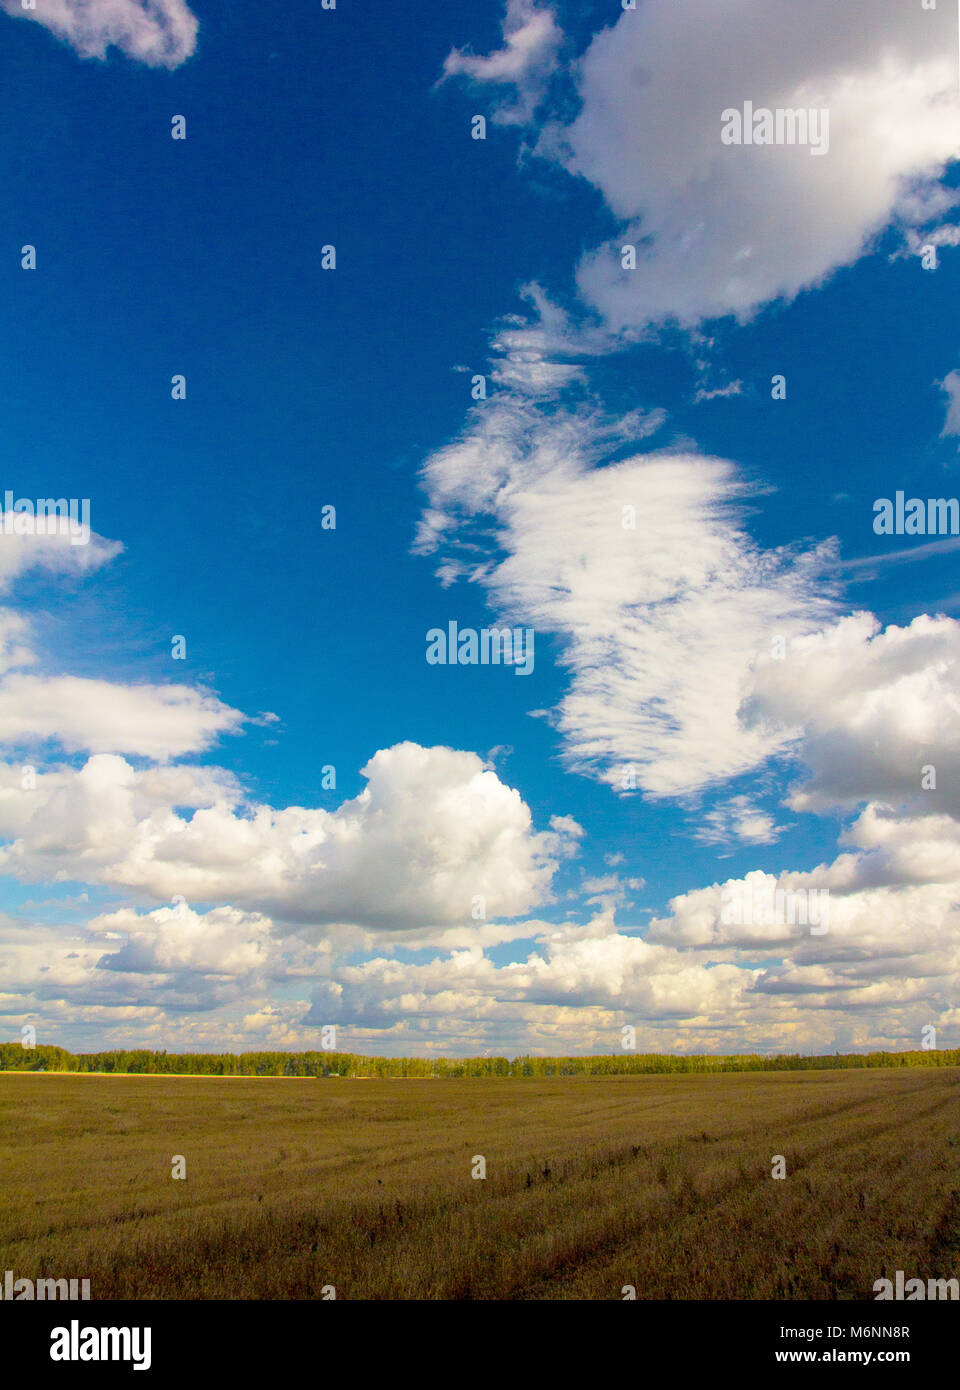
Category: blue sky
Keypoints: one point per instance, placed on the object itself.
(179, 876)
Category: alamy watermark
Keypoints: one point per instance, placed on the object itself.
(76, 1343)
(903, 516)
(28, 1290)
(491, 646)
(744, 905)
(784, 125)
(897, 1288)
(47, 516)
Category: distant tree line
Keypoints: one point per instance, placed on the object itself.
(15, 1057)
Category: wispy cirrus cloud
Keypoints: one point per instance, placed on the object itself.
(951, 389)
(738, 820)
(643, 569)
(532, 39)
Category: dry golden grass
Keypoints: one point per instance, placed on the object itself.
(662, 1182)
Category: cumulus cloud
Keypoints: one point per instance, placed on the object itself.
(723, 229)
(610, 972)
(170, 940)
(889, 965)
(160, 33)
(50, 793)
(59, 973)
(435, 840)
(893, 849)
(878, 711)
(693, 655)
(874, 946)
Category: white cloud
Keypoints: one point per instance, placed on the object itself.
(901, 850)
(569, 973)
(724, 229)
(14, 649)
(80, 714)
(889, 964)
(733, 388)
(433, 832)
(661, 622)
(160, 33)
(224, 941)
(169, 961)
(54, 552)
(951, 388)
(875, 708)
(665, 629)
(53, 806)
(882, 947)
(672, 620)
(89, 715)
(531, 41)
(737, 820)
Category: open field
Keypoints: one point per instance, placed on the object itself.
(662, 1182)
